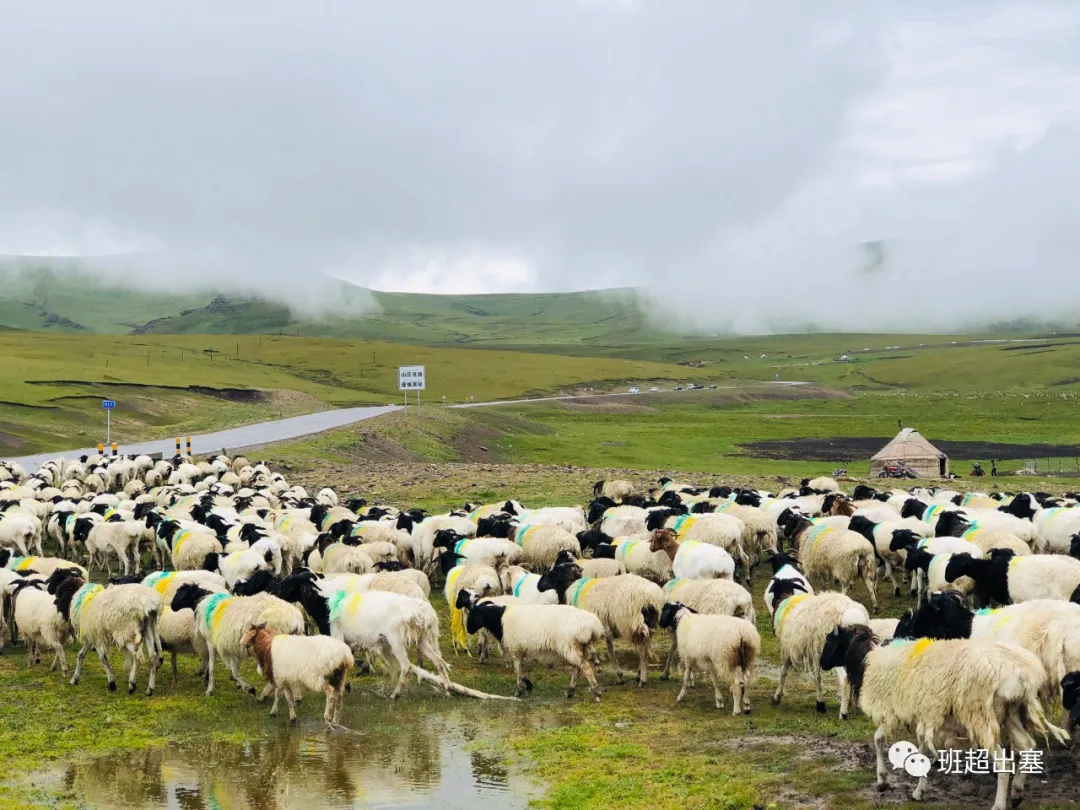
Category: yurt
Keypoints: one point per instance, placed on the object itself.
(911, 448)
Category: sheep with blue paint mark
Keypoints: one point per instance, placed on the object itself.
(1005, 578)
(716, 597)
(628, 606)
(840, 555)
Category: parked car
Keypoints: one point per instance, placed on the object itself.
(654, 390)
(635, 390)
(677, 388)
(712, 386)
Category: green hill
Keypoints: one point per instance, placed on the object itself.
(46, 294)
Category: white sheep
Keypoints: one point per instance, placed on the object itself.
(38, 565)
(840, 555)
(289, 663)
(541, 543)
(542, 633)
(116, 537)
(715, 529)
(615, 489)
(723, 646)
(801, 622)
(627, 606)
(691, 559)
(17, 532)
(986, 691)
(522, 585)
(239, 565)
(719, 597)
(387, 624)
(40, 624)
(121, 616)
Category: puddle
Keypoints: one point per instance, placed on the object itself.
(397, 757)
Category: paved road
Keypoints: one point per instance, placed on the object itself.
(298, 426)
(237, 438)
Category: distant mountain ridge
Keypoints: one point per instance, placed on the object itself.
(54, 295)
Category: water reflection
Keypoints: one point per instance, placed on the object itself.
(402, 758)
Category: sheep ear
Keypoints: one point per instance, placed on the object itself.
(527, 566)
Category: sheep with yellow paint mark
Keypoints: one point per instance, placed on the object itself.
(222, 619)
(801, 621)
(121, 616)
(482, 580)
(835, 554)
(628, 606)
(985, 691)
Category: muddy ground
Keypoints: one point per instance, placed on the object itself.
(845, 448)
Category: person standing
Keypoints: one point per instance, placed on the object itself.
(993, 468)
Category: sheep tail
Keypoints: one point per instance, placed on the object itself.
(1043, 727)
(422, 675)
(745, 655)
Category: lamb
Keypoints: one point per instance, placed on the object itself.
(289, 663)
(627, 606)
(759, 531)
(543, 633)
(717, 530)
(1049, 628)
(802, 622)
(388, 624)
(1006, 578)
(40, 623)
(598, 567)
(839, 554)
(123, 616)
(221, 620)
(724, 646)
(976, 688)
(691, 559)
(717, 597)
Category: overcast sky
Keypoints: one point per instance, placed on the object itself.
(731, 157)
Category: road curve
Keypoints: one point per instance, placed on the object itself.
(235, 438)
(299, 426)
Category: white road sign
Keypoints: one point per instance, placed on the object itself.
(410, 378)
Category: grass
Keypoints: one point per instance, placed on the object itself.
(51, 387)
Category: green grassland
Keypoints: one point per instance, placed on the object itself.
(51, 386)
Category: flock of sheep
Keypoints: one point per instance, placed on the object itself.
(246, 564)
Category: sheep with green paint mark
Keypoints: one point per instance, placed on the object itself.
(801, 622)
(121, 616)
(222, 619)
(627, 606)
(716, 597)
(839, 555)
